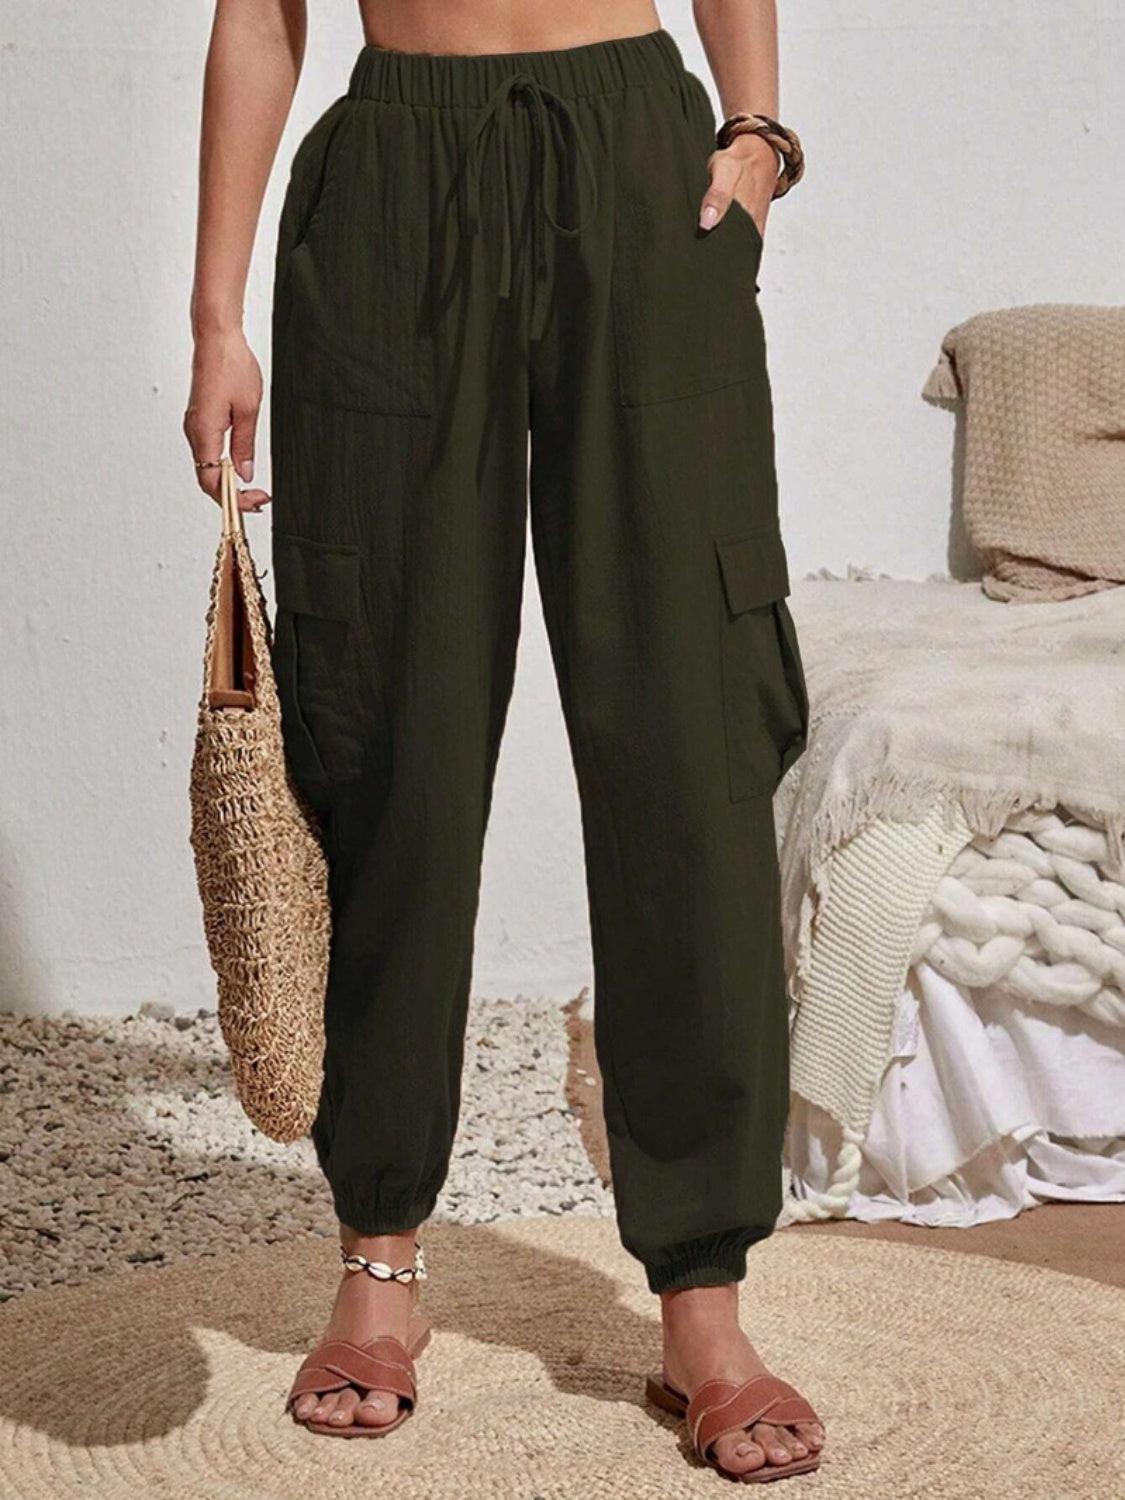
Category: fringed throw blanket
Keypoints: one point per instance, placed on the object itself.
(927, 694)
(1044, 396)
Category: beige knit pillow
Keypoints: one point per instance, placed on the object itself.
(1044, 395)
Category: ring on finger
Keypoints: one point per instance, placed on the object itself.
(209, 463)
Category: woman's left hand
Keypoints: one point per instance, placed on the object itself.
(746, 170)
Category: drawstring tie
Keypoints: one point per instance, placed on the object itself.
(557, 133)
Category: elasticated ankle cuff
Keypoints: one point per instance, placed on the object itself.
(711, 1261)
(362, 1201)
(367, 1215)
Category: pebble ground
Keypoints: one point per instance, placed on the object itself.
(122, 1144)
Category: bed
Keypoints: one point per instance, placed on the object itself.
(954, 902)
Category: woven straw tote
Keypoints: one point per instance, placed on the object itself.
(258, 859)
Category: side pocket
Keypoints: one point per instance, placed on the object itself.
(764, 697)
(310, 179)
(314, 660)
(684, 304)
(352, 327)
(698, 108)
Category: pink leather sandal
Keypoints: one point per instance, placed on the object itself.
(381, 1364)
(721, 1407)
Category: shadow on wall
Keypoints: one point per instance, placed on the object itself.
(21, 984)
(964, 562)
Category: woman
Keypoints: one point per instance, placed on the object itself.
(516, 225)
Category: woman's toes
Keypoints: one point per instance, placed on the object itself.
(772, 1440)
(377, 1409)
(325, 1407)
(346, 1403)
(811, 1434)
(796, 1444)
(737, 1454)
(304, 1407)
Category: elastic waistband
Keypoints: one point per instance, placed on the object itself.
(572, 73)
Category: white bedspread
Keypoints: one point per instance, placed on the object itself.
(940, 718)
(987, 1107)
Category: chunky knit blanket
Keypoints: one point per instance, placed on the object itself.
(1044, 400)
(1034, 913)
(927, 695)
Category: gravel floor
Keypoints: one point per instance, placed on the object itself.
(121, 1143)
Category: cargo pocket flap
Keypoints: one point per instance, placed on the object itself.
(316, 578)
(754, 570)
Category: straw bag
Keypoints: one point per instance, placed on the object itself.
(258, 858)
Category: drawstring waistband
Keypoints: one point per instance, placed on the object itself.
(556, 132)
(453, 81)
(548, 85)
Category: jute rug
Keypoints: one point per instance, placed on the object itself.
(937, 1374)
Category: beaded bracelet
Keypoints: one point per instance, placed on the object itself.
(783, 140)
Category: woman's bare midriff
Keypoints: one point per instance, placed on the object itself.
(485, 26)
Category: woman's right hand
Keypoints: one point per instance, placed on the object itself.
(226, 392)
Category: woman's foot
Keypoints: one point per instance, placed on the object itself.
(364, 1309)
(703, 1341)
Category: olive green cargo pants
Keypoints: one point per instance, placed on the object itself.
(475, 252)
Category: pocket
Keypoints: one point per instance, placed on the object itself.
(314, 659)
(743, 217)
(685, 311)
(764, 697)
(311, 176)
(350, 323)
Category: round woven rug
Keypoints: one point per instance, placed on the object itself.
(937, 1373)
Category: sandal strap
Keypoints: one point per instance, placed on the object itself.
(720, 1407)
(382, 1364)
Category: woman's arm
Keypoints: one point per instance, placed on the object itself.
(740, 40)
(253, 64)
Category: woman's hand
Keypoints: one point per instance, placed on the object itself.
(746, 170)
(226, 392)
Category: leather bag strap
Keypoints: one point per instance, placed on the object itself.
(231, 666)
(228, 499)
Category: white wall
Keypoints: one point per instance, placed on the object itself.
(962, 155)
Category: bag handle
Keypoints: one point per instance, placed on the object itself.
(228, 499)
(231, 669)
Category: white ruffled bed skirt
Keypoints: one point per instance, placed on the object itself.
(988, 1106)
